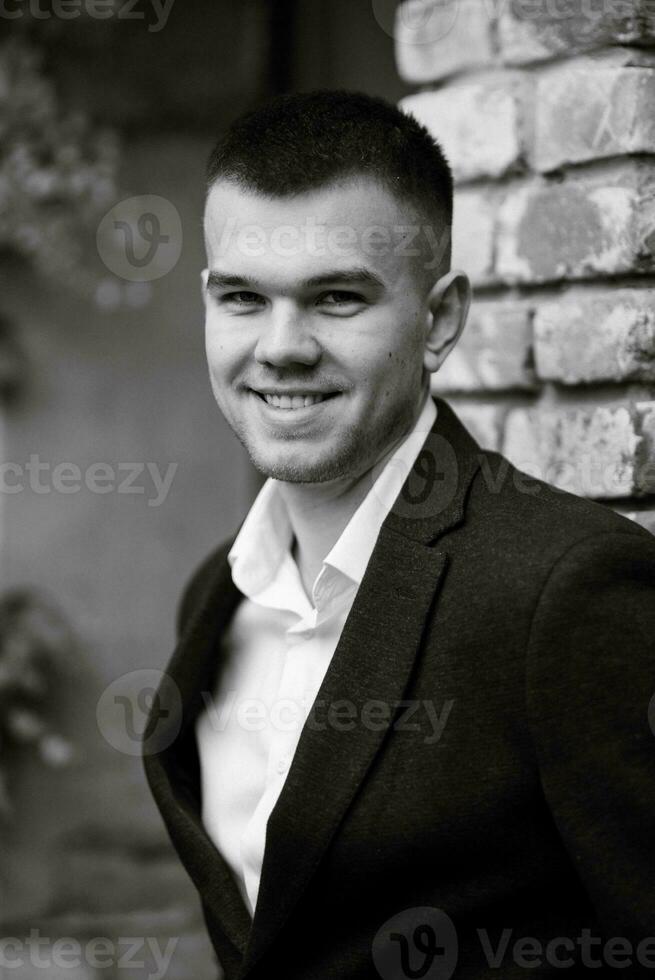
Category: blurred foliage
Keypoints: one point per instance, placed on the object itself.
(57, 174)
(33, 639)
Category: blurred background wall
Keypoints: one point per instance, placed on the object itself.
(548, 123)
(102, 367)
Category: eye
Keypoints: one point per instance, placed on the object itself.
(341, 300)
(242, 297)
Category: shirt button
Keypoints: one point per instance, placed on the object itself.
(283, 764)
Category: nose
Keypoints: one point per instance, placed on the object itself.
(286, 338)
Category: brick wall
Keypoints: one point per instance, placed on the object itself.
(546, 111)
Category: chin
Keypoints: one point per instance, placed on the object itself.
(298, 470)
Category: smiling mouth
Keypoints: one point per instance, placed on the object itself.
(291, 402)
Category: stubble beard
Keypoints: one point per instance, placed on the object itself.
(355, 453)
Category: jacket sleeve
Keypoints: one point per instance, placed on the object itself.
(590, 688)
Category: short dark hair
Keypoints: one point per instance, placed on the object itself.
(298, 143)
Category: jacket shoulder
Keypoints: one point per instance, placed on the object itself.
(524, 506)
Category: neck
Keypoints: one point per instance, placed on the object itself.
(319, 513)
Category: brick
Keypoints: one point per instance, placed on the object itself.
(437, 38)
(480, 126)
(578, 228)
(606, 337)
(484, 422)
(595, 451)
(645, 518)
(587, 113)
(493, 353)
(534, 30)
(646, 478)
(474, 224)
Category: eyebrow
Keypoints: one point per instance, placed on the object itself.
(357, 276)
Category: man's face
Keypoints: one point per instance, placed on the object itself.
(315, 326)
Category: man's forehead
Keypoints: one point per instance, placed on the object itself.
(343, 202)
(355, 221)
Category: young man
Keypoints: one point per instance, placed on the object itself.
(413, 728)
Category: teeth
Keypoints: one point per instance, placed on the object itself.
(295, 401)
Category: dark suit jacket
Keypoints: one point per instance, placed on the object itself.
(526, 617)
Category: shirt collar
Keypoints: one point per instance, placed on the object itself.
(351, 553)
(265, 536)
(262, 542)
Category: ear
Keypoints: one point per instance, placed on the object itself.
(448, 304)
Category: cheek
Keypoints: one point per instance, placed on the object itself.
(400, 353)
(383, 377)
(225, 348)
(409, 354)
(213, 343)
(211, 333)
(215, 357)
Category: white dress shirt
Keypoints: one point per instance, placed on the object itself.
(277, 649)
